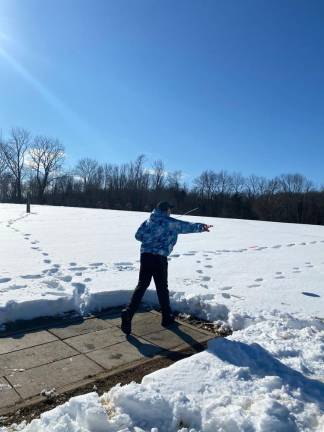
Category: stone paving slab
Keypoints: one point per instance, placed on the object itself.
(124, 353)
(25, 340)
(8, 394)
(53, 375)
(34, 356)
(115, 319)
(179, 335)
(71, 352)
(96, 340)
(146, 325)
(65, 331)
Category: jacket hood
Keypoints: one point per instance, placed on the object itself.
(158, 214)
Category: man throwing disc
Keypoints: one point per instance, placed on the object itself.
(158, 235)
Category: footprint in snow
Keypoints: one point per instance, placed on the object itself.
(172, 256)
(78, 274)
(53, 270)
(259, 280)
(226, 288)
(52, 284)
(208, 259)
(276, 246)
(198, 262)
(254, 286)
(96, 264)
(303, 244)
(66, 278)
(5, 279)
(199, 271)
(208, 266)
(278, 273)
(205, 278)
(47, 261)
(15, 287)
(80, 287)
(189, 254)
(204, 286)
(87, 279)
(226, 295)
(72, 264)
(78, 268)
(45, 254)
(124, 266)
(56, 293)
(279, 277)
(36, 276)
(313, 242)
(290, 244)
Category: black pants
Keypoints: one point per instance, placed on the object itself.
(155, 266)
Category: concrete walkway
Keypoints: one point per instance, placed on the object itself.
(67, 353)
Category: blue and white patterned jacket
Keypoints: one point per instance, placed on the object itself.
(159, 233)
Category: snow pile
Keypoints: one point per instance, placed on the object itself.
(267, 377)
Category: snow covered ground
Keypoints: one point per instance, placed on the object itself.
(59, 259)
(265, 280)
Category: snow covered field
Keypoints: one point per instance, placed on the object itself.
(265, 280)
(59, 259)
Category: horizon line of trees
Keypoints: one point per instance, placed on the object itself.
(35, 166)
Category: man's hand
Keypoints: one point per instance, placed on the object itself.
(207, 227)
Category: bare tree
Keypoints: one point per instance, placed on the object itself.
(174, 180)
(3, 165)
(237, 182)
(87, 170)
(13, 152)
(136, 173)
(256, 185)
(158, 175)
(295, 183)
(46, 160)
(206, 184)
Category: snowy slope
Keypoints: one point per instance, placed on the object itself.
(59, 259)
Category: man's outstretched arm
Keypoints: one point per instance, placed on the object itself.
(189, 227)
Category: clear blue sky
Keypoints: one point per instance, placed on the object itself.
(204, 84)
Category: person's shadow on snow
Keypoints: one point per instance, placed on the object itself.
(262, 363)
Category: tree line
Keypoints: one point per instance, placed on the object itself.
(35, 165)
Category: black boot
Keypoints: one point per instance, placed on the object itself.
(167, 320)
(126, 322)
